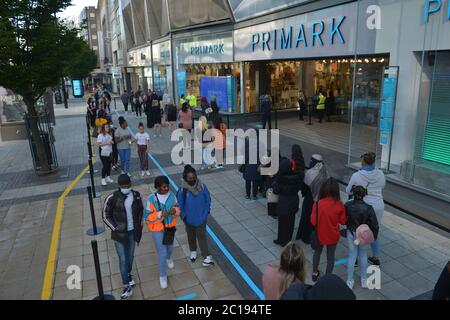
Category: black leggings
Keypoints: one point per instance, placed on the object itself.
(138, 108)
(248, 187)
(106, 169)
(331, 249)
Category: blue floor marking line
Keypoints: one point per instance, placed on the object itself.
(187, 297)
(341, 261)
(224, 250)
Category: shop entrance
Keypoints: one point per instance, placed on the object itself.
(351, 85)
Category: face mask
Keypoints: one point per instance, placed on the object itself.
(125, 191)
(192, 183)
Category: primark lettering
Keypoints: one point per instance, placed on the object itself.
(300, 36)
(211, 49)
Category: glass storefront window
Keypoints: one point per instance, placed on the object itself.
(162, 68)
(244, 9)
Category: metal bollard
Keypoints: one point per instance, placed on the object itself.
(91, 172)
(95, 230)
(98, 273)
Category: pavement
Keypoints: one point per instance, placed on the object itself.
(413, 252)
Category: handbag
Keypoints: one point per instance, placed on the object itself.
(242, 168)
(169, 233)
(315, 244)
(271, 196)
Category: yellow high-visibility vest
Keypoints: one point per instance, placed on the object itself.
(321, 104)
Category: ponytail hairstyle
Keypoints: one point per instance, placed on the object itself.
(292, 265)
(359, 192)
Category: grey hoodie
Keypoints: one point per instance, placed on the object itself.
(374, 181)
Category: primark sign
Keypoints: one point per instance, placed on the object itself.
(212, 50)
(325, 32)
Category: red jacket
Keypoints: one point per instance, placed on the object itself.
(331, 215)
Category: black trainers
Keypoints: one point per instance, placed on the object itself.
(127, 293)
(374, 261)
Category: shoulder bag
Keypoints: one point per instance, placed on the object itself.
(169, 233)
(315, 244)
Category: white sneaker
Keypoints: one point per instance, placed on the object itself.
(127, 292)
(364, 283)
(104, 182)
(129, 174)
(208, 261)
(147, 173)
(170, 264)
(142, 173)
(350, 284)
(122, 172)
(163, 282)
(132, 283)
(193, 256)
(109, 180)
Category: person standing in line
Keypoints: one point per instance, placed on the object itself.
(206, 150)
(172, 116)
(105, 142)
(125, 98)
(161, 212)
(321, 105)
(315, 176)
(287, 185)
(359, 216)
(156, 117)
(214, 109)
(132, 101)
(266, 109)
(328, 213)
(301, 105)
(251, 174)
(330, 103)
(123, 141)
(192, 100)
(123, 213)
(292, 270)
(185, 117)
(219, 138)
(138, 104)
(194, 201)
(142, 139)
(91, 111)
(115, 151)
(374, 181)
(148, 110)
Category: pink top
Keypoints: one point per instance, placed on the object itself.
(271, 281)
(186, 119)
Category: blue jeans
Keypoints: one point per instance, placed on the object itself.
(356, 252)
(126, 256)
(164, 252)
(125, 155)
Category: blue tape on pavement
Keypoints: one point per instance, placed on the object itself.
(187, 297)
(339, 262)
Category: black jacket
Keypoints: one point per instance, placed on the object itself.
(287, 184)
(115, 216)
(358, 213)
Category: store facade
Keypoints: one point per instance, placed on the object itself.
(139, 68)
(162, 66)
(205, 68)
(387, 64)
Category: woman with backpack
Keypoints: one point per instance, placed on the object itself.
(195, 204)
(160, 215)
(374, 181)
(362, 230)
(327, 215)
(292, 270)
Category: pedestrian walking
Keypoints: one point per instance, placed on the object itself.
(205, 142)
(123, 213)
(287, 185)
(291, 270)
(172, 116)
(138, 104)
(123, 141)
(362, 230)
(125, 99)
(327, 215)
(374, 181)
(195, 204)
(131, 99)
(105, 142)
(301, 104)
(142, 140)
(161, 211)
(315, 176)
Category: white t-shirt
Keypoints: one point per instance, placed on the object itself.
(102, 139)
(142, 138)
